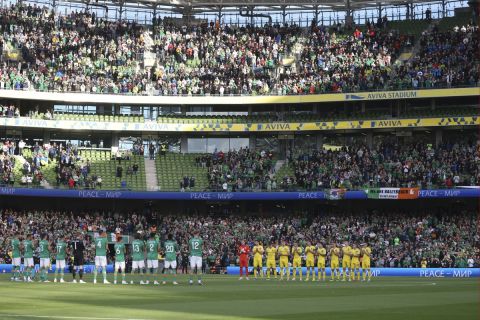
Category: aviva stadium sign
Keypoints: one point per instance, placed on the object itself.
(153, 126)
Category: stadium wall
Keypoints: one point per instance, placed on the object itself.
(376, 272)
(332, 194)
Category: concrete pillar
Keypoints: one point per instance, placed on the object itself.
(433, 104)
(184, 144)
(319, 141)
(370, 140)
(46, 137)
(115, 139)
(249, 110)
(183, 109)
(438, 137)
(363, 106)
(252, 142)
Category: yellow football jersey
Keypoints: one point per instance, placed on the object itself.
(283, 250)
(366, 253)
(334, 252)
(297, 252)
(271, 252)
(310, 251)
(322, 252)
(355, 254)
(258, 251)
(346, 252)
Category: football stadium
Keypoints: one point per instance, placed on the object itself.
(239, 160)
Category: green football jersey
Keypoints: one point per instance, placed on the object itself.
(27, 249)
(171, 248)
(61, 250)
(138, 247)
(152, 249)
(196, 247)
(16, 248)
(119, 252)
(43, 249)
(101, 247)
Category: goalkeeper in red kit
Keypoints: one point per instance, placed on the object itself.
(243, 252)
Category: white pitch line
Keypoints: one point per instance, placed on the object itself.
(64, 317)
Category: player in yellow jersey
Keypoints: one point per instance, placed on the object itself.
(334, 262)
(310, 260)
(322, 254)
(366, 253)
(284, 253)
(355, 264)
(258, 259)
(271, 260)
(423, 263)
(346, 261)
(297, 261)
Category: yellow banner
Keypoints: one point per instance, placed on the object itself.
(152, 126)
(77, 98)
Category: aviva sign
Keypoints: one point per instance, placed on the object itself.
(152, 126)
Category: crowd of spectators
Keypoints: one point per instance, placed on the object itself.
(236, 171)
(63, 159)
(445, 237)
(388, 164)
(84, 53)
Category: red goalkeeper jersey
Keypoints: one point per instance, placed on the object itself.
(243, 251)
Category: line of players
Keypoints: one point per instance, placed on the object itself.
(355, 261)
(76, 248)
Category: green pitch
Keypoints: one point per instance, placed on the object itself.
(224, 297)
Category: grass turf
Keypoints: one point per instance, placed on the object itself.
(224, 297)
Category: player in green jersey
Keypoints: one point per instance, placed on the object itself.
(138, 257)
(170, 248)
(61, 249)
(28, 264)
(101, 257)
(152, 257)
(119, 260)
(16, 257)
(195, 246)
(44, 249)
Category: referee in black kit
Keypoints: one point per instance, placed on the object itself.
(77, 246)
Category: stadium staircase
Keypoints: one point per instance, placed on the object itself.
(151, 175)
(149, 55)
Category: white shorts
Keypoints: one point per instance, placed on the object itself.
(138, 264)
(120, 265)
(28, 262)
(152, 264)
(60, 264)
(16, 262)
(196, 262)
(44, 262)
(100, 261)
(170, 264)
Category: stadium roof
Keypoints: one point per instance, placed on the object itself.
(197, 6)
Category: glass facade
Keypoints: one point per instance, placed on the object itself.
(210, 145)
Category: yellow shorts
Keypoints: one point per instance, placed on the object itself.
(271, 264)
(355, 264)
(257, 262)
(346, 263)
(366, 264)
(283, 262)
(310, 262)
(321, 264)
(334, 264)
(297, 263)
